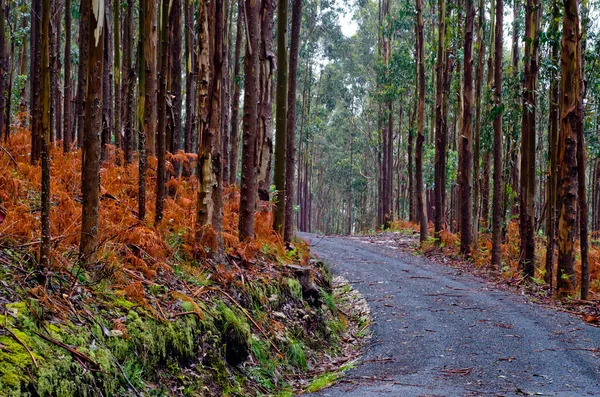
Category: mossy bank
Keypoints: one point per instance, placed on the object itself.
(189, 336)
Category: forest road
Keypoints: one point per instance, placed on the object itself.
(437, 333)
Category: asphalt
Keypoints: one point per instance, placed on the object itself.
(437, 333)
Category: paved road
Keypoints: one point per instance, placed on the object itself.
(440, 334)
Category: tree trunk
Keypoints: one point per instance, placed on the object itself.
(226, 90)
(45, 141)
(106, 86)
(129, 78)
(421, 209)
(265, 121)
(162, 111)
(477, 143)
(498, 182)
(551, 190)
(528, 131)
(118, 129)
(175, 91)
(142, 133)
(291, 121)
(567, 156)
(466, 163)
(90, 168)
(189, 77)
(84, 31)
(251, 86)
(279, 177)
(35, 73)
(68, 125)
(149, 62)
(440, 138)
(235, 102)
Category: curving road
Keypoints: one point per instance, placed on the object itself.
(439, 334)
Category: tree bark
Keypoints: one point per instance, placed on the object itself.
(498, 182)
(566, 281)
(421, 209)
(46, 127)
(528, 132)
(466, 163)
(129, 84)
(265, 120)
(68, 125)
(35, 73)
(290, 152)
(440, 138)
(190, 91)
(251, 87)
(162, 111)
(149, 62)
(142, 131)
(84, 31)
(235, 102)
(90, 168)
(175, 91)
(279, 218)
(551, 178)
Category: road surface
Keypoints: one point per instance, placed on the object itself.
(436, 333)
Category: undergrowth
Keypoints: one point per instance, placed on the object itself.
(156, 315)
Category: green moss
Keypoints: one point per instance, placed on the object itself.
(295, 354)
(294, 288)
(322, 382)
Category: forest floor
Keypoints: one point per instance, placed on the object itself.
(440, 330)
(158, 313)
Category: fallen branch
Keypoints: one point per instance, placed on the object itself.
(4, 327)
(68, 348)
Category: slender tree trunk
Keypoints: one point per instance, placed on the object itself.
(118, 128)
(235, 102)
(466, 162)
(570, 117)
(129, 78)
(265, 121)
(106, 86)
(55, 103)
(84, 31)
(142, 133)
(279, 218)
(3, 64)
(226, 89)
(291, 120)
(162, 111)
(67, 127)
(149, 61)
(498, 182)
(421, 209)
(528, 132)
(35, 73)
(551, 190)
(189, 76)
(45, 141)
(251, 86)
(440, 138)
(477, 143)
(90, 168)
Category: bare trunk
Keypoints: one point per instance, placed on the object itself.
(235, 102)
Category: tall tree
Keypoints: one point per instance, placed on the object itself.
(498, 182)
(251, 87)
(290, 151)
(528, 134)
(162, 111)
(175, 89)
(190, 61)
(84, 32)
(35, 73)
(149, 63)
(118, 128)
(265, 117)
(279, 217)
(3, 64)
(466, 145)
(129, 83)
(235, 101)
(90, 167)
(552, 179)
(440, 138)
(67, 118)
(570, 116)
(45, 141)
(142, 125)
(421, 207)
